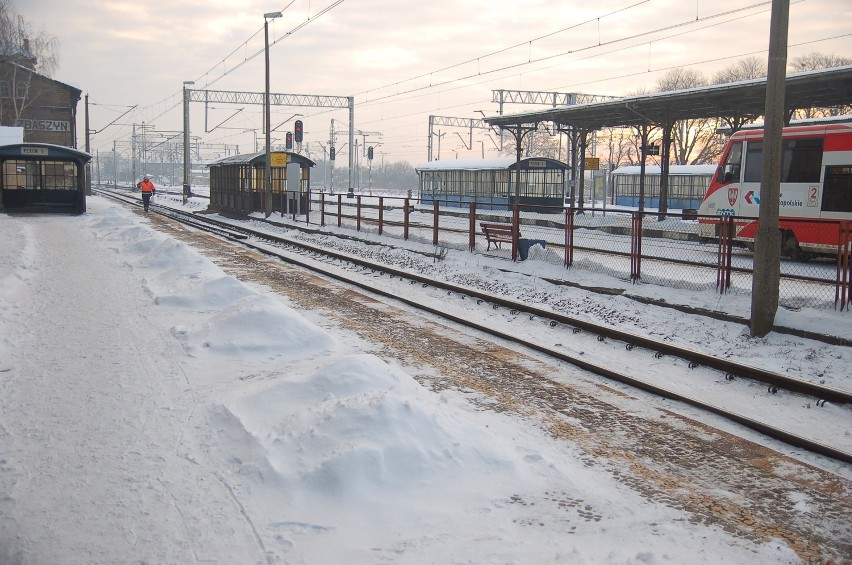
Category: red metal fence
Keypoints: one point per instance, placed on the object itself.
(624, 244)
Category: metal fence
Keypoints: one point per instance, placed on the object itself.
(642, 247)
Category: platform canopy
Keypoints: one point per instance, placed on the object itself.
(43, 151)
(743, 99)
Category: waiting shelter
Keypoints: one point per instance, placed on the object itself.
(42, 177)
(237, 183)
(687, 185)
(493, 183)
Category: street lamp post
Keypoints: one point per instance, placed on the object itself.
(267, 173)
(187, 191)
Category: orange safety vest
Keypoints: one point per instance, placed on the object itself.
(146, 186)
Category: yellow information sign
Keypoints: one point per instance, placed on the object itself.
(278, 159)
(593, 163)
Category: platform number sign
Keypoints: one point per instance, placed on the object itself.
(298, 131)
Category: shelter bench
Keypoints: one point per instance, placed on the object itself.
(497, 234)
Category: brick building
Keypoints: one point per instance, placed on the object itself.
(45, 108)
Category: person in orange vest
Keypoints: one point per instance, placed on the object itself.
(148, 190)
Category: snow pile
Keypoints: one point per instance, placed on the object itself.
(256, 326)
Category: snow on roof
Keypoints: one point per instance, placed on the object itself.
(467, 164)
(673, 170)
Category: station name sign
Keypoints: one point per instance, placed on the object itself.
(45, 125)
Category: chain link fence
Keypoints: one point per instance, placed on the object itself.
(675, 250)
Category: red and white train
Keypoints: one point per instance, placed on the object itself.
(816, 186)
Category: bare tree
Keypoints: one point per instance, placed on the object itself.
(540, 143)
(813, 62)
(744, 69)
(693, 140)
(23, 54)
(619, 146)
(21, 44)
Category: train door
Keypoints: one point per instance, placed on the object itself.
(837, 192)
(749, 197)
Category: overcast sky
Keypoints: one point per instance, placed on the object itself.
(401, 60)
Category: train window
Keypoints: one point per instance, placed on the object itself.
(801, 160)
(733, 161)
(837, 191)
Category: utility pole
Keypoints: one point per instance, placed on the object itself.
(767, 241)
(88, 150)
(187, 156)
(331, 156)
(133, 158)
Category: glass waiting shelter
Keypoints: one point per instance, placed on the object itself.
(41, 177)
(493, 183)
(237, 183)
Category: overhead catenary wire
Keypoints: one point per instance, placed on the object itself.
(174, 100)
(480, 76)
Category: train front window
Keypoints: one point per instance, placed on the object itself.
(733, 161)
(837, 192)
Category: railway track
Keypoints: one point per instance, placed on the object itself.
(352, 270)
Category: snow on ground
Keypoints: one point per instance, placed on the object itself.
(156, 410)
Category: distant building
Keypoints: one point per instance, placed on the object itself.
(46, 109)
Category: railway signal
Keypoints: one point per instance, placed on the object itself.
(289, 140)
(298, 131)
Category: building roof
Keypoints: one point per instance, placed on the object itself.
(496, 163)
(42, 150)
(259, 158)
(68, 87)
(493, 164)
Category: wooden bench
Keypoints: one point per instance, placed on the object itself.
(497, 234)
